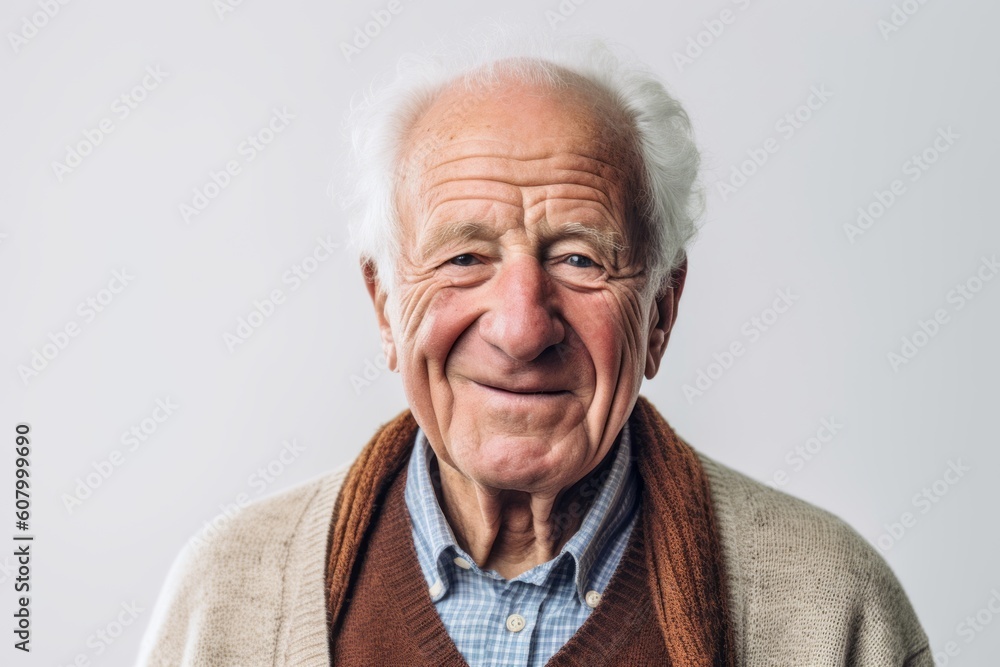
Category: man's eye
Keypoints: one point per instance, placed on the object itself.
(580, 261)
(464, 260)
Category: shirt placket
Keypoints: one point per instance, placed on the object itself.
(513, 623)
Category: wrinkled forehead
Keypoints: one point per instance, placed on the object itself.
(470, 126)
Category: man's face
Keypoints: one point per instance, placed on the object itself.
(522, 328)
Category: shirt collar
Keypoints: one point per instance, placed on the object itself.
(611, 512)
(432, 534)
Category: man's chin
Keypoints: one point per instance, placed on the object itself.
(524, 463)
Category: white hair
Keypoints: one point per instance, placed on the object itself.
(670, 198)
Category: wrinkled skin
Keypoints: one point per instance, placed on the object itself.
(522, 341)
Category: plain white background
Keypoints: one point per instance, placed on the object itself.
(309, 373)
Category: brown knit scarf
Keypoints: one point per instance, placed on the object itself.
(683, 558)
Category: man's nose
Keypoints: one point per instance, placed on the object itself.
(521, 319)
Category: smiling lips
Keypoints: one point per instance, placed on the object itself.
(525, 389)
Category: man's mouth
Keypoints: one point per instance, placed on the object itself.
(524, 390)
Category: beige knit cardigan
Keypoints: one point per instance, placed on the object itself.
(805, 589)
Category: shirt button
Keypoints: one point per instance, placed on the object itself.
(593, 599)
(436, 589)
(462, 563)
(515, 623)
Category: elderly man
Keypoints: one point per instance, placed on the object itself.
(522, 232)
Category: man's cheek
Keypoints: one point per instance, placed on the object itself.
(417, 315)
(616, 308)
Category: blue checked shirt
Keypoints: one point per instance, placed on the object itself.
(526, 620)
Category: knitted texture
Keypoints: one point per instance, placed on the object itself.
(366, 483)
(682, 556)
(683, 562)
(802, 587)
(390, 619)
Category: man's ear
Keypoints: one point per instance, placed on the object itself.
(379, 300)
(663, 317)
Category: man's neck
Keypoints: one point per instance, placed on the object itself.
(513, 531)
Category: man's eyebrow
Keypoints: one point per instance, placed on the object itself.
(446, 235)
(607, 243)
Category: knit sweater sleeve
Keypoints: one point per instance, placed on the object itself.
(237, 592)
(887, 628)
(805, 587)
